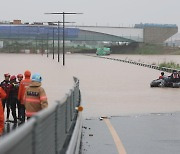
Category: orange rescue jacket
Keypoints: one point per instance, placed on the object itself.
(2, 96)
(22, 87)
(34, 99)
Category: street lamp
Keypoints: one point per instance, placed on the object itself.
(58, 24)
(53, 42)
(63, 13)
(47, 44)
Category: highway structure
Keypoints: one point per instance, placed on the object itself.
(144, 33)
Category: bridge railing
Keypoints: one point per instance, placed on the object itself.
(50, 131)
(165, 69)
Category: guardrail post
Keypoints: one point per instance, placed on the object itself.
(56, 120)
(71, 105)
(66, 114)
(34, 138)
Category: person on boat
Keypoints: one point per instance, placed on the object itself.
(175, 76)
(161, 76)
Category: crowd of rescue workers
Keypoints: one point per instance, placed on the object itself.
(21, 95)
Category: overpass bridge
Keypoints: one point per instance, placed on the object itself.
(147, 33)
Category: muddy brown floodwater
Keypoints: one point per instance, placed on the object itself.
(108, 88)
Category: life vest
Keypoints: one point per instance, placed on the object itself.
(175, 76)
(161, 77)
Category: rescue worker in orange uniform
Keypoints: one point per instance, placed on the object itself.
(2, 96)
(22, 87)
(13, 94)
(35, 97)
(20, 78)
(6, 87)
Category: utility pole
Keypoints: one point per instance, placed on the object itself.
(53, 42)
(58, 41)
(58, 27)
(63, 40)
(47, 45)
(63, 13)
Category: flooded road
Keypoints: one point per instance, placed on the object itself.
(108, 88)
(111, 88)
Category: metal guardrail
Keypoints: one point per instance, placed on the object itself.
(165, 69)
(54, 130)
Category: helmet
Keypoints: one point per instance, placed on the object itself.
(162, 73)
(36, 77)
(174, 71)
(27, 73)
(13, 77)
(19, 76)
(7, 75)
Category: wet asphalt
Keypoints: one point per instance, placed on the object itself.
(139, 134)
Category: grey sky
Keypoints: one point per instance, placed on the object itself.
(96, 12)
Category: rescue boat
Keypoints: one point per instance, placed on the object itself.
(166, 82)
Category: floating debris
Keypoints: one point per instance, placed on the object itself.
(103, 117)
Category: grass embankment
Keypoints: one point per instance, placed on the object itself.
(145, 49)
(156, 49)
(150, 49)
(171, 64)
(134, 48)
